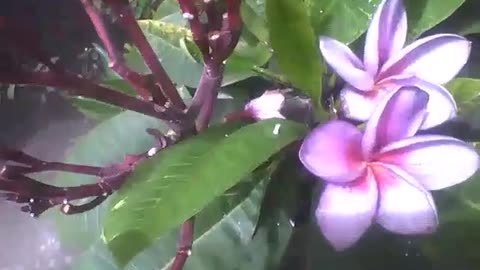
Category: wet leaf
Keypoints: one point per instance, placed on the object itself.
(170, 188)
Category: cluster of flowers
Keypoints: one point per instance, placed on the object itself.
(384, 172)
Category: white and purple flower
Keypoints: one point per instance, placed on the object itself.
(387, 65)
(383, 174)
(266, 106)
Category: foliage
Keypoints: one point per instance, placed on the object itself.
(232, 175)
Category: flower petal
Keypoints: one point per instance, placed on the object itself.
(405, 207)
(441, 104)
(434, 161)
(436, 58)
(345, 63)
(333, 152)
(345, 212)
(359, 105)
(399, 115)
(266, 106)
(386, 34)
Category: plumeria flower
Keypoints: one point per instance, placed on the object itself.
(383, 174)
(266, 106)
(388, 65)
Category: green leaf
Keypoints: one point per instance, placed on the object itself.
(294, 44)
(225, 224)
(169, 11)
(466, 92)
(344, 20)
(425, 14)
(254, 22)
(170, 188)
(240, 65)
(464, 21)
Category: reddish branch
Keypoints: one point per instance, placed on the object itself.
(16, 184)
(78, 86)
(117, 62)
(126, 17)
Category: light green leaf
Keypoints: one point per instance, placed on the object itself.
(295, 45)
(169, 188)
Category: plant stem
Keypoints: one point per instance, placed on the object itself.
(216, 39)
(127, 18)
(78, 86)
(117, 62)
(185, 243)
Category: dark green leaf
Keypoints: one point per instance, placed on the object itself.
(168, 189)
(240, 64)
(425, 14)
(295, 45)
(344, 20)
(464, 20)
(459, 212)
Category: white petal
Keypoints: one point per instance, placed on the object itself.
(405, 207)
(436, 59)
(441, 104)
(266, 106)
(359, 105)
(345, 212)
(345, 63)
(386, 34)
(434, 161)
(397, 116)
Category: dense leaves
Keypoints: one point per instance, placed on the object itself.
(168, 189)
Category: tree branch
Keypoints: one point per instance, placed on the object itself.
(117, 62)
(16, 186)
(127, 18)
(78, 86)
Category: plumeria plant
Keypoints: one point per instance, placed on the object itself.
(217, 121)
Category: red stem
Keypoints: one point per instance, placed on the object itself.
(184, 249)
(117, 62)
(78, 86)
(127, 18)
